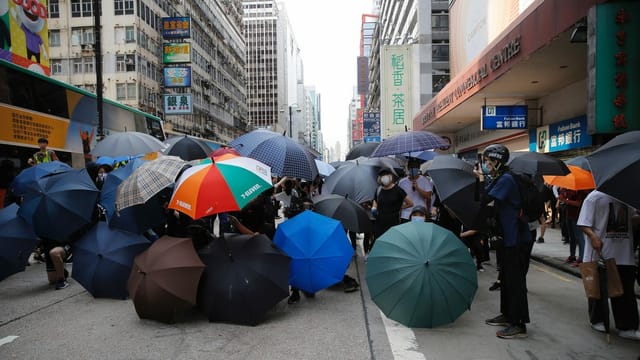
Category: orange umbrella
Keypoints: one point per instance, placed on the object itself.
(577, 179)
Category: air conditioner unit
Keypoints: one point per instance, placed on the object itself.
(87, 46)
(129, 61)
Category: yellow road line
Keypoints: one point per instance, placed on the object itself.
(552, 273)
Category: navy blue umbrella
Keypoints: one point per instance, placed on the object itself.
(285, 156)
(17, 241)
(410, 141)
(137, 218)
(29, 176)
(103, 258)
(60, 204)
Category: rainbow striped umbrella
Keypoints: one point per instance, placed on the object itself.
(222, 186)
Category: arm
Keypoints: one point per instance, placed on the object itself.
(241, 228)
(468, 233)
(407, 203)
(596, 242)
(53, 155)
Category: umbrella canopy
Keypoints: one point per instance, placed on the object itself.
(164, 279)
(127, 143)
(421, 275)
(380, 163)
(285, 156)
(352, 216)
(245, 276)
(579, 161)
(616, 168)
(362, 150)
(577, 179)
(410, 141)
(357, 182)
(536, 164)
(60, 204)
(422, 155)
(324, 169)
(102, 260)
(148, 180)
(224, 153)
(17, 241)
(29, 176)
(319, 249)
(457, 187)
(228, 185)
(186, 148)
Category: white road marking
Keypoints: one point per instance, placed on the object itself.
(7, 339)
(402, 340)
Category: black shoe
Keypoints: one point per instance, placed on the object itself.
(66, 274)
(309, 294)
(293, 298)
(499, 320)
(350, 285)
(496, 286)
(513, 332)
(540, 240)
(62, 284)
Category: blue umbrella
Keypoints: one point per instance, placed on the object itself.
(285, 156)
(319, 249)
(17, 241)
(60, 204)
(29, 176)
(137, 218)
(103, 258)
(410, 141)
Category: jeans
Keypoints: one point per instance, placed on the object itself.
(576, 237)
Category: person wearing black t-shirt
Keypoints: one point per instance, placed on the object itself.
(389, 200)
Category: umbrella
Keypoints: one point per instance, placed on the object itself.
(60, 204)
(228, 185)
(102, 260)
(410, 141)
(536, 164)
(616, 168)
(186, 148)
(579, 161)
(423, 155)
(17, 241)
(352, 216)
(319, 249)
(457, 186)
(164, 279)
(324, 169)
(285, 156)
(380, 163)
(127, 143)
(364, 149)
(136, 218)
(577, 179)
(245, 276)
(148, 180)
(357, 182)
(421, 275)
(29, 176)
(224, 153)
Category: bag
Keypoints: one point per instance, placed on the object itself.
(531, 199)
(591, 278)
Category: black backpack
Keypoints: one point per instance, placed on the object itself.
(531, 198)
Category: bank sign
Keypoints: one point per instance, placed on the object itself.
(564, 135)
(504, 117)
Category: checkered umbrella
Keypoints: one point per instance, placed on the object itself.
(409, 141)
(285, 156)
(148, 180)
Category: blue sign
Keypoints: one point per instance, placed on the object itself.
(367, 139)
(371, 126)
(504, 117)
(563, 135)
(176, 27)
(177, 76)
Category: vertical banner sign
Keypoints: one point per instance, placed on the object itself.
(371, 126)
(24, 34)
(177, 104)
(395, 84)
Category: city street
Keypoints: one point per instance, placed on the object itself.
(37, 322)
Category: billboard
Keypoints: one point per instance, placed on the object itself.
(177, 76)
(504, 117)
(371, 126)
(363, 75)
(564, 135)
(176, 53)
(395, 84)
(175, 104)
(24, 34)
(176, 27)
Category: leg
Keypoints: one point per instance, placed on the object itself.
(625, 307)
(57, 255)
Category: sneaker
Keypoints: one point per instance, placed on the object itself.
(351, 285)
(62, 284)
(577, 263)
(540, 240)
(293, 298)
(513, 332)
(598, 327)
(495, 286)
(499, 320)
(630, 334)
(480, 268)
(570, 259)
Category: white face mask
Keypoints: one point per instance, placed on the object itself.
(102, 176)
(385, 180)
(418, 218)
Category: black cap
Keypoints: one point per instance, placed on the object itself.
(385, 171)
(419, 209)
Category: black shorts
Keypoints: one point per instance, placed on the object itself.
(49, 245)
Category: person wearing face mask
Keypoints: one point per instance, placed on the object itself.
(417, 187)
(389, 200)
(419, 213)
(103, 170)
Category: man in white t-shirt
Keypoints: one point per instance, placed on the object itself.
(607, 223)
(417, 187)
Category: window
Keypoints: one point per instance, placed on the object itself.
(81, 36)
(54, 38)
(89, 64)
(54, 9)
(87, 7)
(125, 63)
(121, 92)
(440, 22)
(77, 65)
(129, 7)
(76, 9)
(56, 67)
(131, 91)
(440, 52)
(118, 7)
(130, 34)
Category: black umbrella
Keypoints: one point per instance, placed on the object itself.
(187, 148)
(351, 214)
(245, 276)
(364, 149)
(579, 161)
(616, 168)
(357, 182)
(457, 187)
(536, 164)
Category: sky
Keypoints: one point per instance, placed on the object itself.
(328, 35)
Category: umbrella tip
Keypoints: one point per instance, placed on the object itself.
(426, 263)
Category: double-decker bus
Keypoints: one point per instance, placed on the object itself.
(33, 106)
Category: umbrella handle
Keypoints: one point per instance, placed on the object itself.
(226, 248)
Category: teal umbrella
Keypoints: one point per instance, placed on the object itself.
(421, 275)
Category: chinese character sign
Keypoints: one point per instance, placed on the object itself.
(177, 104)
(176, 27)
(504, 117)
(563, 135)
(177, 76)
(174, 53)
(395, 84)
(371, 126)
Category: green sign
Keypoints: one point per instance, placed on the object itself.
(175, 53)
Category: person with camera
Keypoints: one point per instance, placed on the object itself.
(502, 190)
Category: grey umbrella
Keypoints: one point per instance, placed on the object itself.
(357, 182)
(351, 214)
(536, 164)
(127, 143)
(364, 149)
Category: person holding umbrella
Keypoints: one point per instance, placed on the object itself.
(607, 224)
(502, 190)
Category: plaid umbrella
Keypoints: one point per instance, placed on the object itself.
(127, 143)
(148, 180)
(285, 156)
(409, 141)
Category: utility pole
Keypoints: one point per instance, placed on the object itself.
(97, 49)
